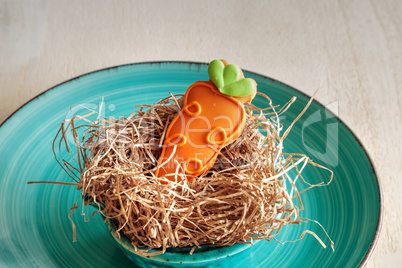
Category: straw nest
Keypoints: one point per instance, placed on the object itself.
(247, 195)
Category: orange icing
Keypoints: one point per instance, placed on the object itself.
(208, 121)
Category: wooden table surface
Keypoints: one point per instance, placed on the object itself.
(351, 49)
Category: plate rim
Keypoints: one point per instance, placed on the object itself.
(373, 243)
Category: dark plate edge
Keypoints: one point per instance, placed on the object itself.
(380, 197)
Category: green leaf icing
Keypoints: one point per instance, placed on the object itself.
(240, 88)
(215, 72)
(231, 74)
(226, 79)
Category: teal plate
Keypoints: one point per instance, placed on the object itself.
(35, 229)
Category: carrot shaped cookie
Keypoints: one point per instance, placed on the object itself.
(212, 117)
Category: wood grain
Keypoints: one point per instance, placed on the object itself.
(352, 50)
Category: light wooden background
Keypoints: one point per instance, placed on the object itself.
(353, 49)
